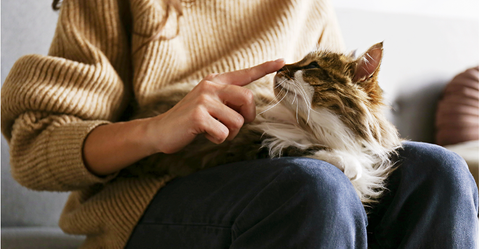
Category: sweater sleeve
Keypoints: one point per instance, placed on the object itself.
(51, 103)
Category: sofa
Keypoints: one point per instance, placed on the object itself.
(421, 54)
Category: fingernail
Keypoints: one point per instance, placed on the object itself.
(280, 60)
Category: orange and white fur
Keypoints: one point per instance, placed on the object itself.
(328, 106)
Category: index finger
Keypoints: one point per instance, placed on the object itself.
(246, 76)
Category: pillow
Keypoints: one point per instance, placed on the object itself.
(457, 110)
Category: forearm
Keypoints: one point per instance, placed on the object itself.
(112, 147)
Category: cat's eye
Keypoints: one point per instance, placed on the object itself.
(312, 65)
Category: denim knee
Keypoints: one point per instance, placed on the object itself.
(434, 201)
(329, 200)
(306, 203)
(324, 185)
(441, 168)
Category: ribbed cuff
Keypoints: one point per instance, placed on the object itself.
(65, 155)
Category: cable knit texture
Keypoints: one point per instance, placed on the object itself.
(92, 74)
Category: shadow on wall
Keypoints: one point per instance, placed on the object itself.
(413, 112)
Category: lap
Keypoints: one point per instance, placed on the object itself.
(230, 187)
(211, 204)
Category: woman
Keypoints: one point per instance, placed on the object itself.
(66, 117)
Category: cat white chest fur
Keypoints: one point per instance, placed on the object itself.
(364, 168)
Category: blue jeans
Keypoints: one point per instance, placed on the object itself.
(306, 203)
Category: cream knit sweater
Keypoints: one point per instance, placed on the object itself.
(91, 76)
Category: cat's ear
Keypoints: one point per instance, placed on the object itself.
(368, 63)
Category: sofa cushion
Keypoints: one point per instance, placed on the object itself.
(38, 238)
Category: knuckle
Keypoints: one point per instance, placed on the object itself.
(205, 85)
(238, 122)
(211, 76)
(223, 134)
(249, 98)
(250, 72)
(209, 87)
(202, 100)
(202, 85)
(197, 117)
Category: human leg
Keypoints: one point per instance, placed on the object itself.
(270, 203)
(432, 202)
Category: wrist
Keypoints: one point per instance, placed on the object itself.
(112, 147)
(148, 132)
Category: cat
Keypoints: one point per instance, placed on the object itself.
(327, 106)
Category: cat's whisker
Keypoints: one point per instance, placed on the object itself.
(279, 84)
(309, 111)
(276, 96)
(269, 108)
(313, 110)
(294, 98)
(297, 100)
(282, 91)
(273, 100)
(296, 114)
(300, 91)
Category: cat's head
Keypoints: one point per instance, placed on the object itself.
(340, 83)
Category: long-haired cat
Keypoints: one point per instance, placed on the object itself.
(328, 106)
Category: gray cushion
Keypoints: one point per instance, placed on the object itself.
(38, 238)
(25, 207)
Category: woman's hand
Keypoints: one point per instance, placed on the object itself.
(217, 107)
